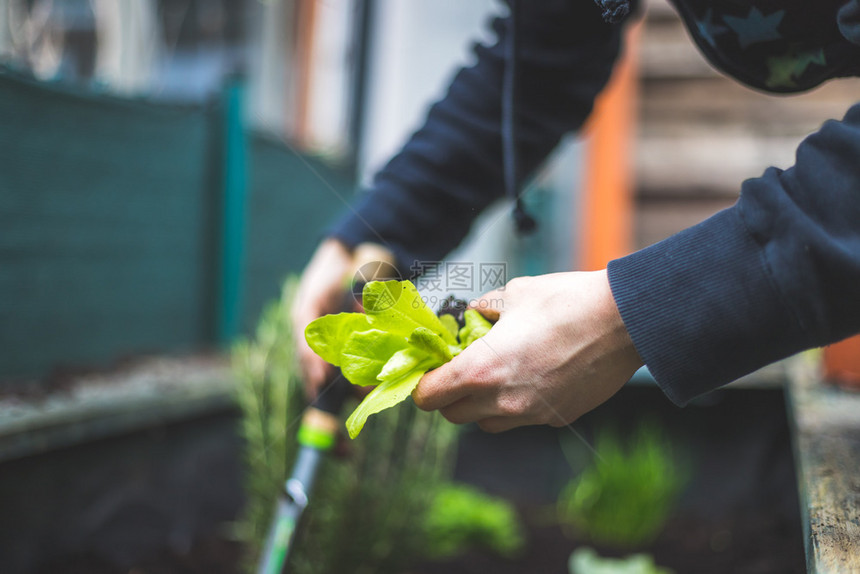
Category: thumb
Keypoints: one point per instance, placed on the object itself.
(491, 304)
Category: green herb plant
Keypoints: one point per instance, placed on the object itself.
(462, 517)
(269, 394)
(391, 345)
(625, 496)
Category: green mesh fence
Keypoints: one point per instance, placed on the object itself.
(292, 200)
(109, 226)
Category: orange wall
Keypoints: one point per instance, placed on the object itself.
(842, 362)
(606, 207)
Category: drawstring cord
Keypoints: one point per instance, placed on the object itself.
(613, 12)
(525, 223)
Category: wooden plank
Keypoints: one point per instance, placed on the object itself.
(723, 104)
(711, 161)
(827, 452)
(668, 52)
(159, 391)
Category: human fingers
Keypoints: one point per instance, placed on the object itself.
(479, 371)
(320, 291)
(314, 369)
(315, 372)
(309, 304)
(439, 388)
(490, 304)
(494, 304)
(323, 289)
(469, 409)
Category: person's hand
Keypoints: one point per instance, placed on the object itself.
(558, 350)
(323, 289)
(320, 291)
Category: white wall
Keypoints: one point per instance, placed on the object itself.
(127, 44)
(271, 92)
(417, 47)
(330, 78)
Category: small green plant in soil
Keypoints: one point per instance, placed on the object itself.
(391, 345)
(624, 497)
(462, 517)
(586, 561)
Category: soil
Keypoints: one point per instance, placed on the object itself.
(210, 556)
(739, 515)
(742, 544)
(689, 545)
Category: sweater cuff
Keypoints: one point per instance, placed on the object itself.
(701, 307)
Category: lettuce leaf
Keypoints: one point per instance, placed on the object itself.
(475, 328)
(384, 396)
(365, 354)
(391, 346)
(396, 306)
(450, 324)
(331, 332)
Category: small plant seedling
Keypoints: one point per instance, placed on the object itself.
(625, 497)
(462, 517)
(391, 345)
(586, 561)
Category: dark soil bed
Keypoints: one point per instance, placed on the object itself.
(739, 514)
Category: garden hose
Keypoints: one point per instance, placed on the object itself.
(316, 436)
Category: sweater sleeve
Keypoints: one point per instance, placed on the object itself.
(777, 273)
(422, 203)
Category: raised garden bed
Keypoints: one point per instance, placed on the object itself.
(71, 408)
(739, 514)
(155, 496)
(138, 466)
(826, 423)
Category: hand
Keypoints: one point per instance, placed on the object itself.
(558, 350)
(321, 291)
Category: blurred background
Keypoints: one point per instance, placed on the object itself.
(165, 165)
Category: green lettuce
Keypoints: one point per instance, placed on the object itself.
(391, 345)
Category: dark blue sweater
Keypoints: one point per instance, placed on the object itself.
(776, 273)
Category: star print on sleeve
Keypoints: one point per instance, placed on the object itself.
(785, 70)
(756, 27)
(773, 45)
(709, 28)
